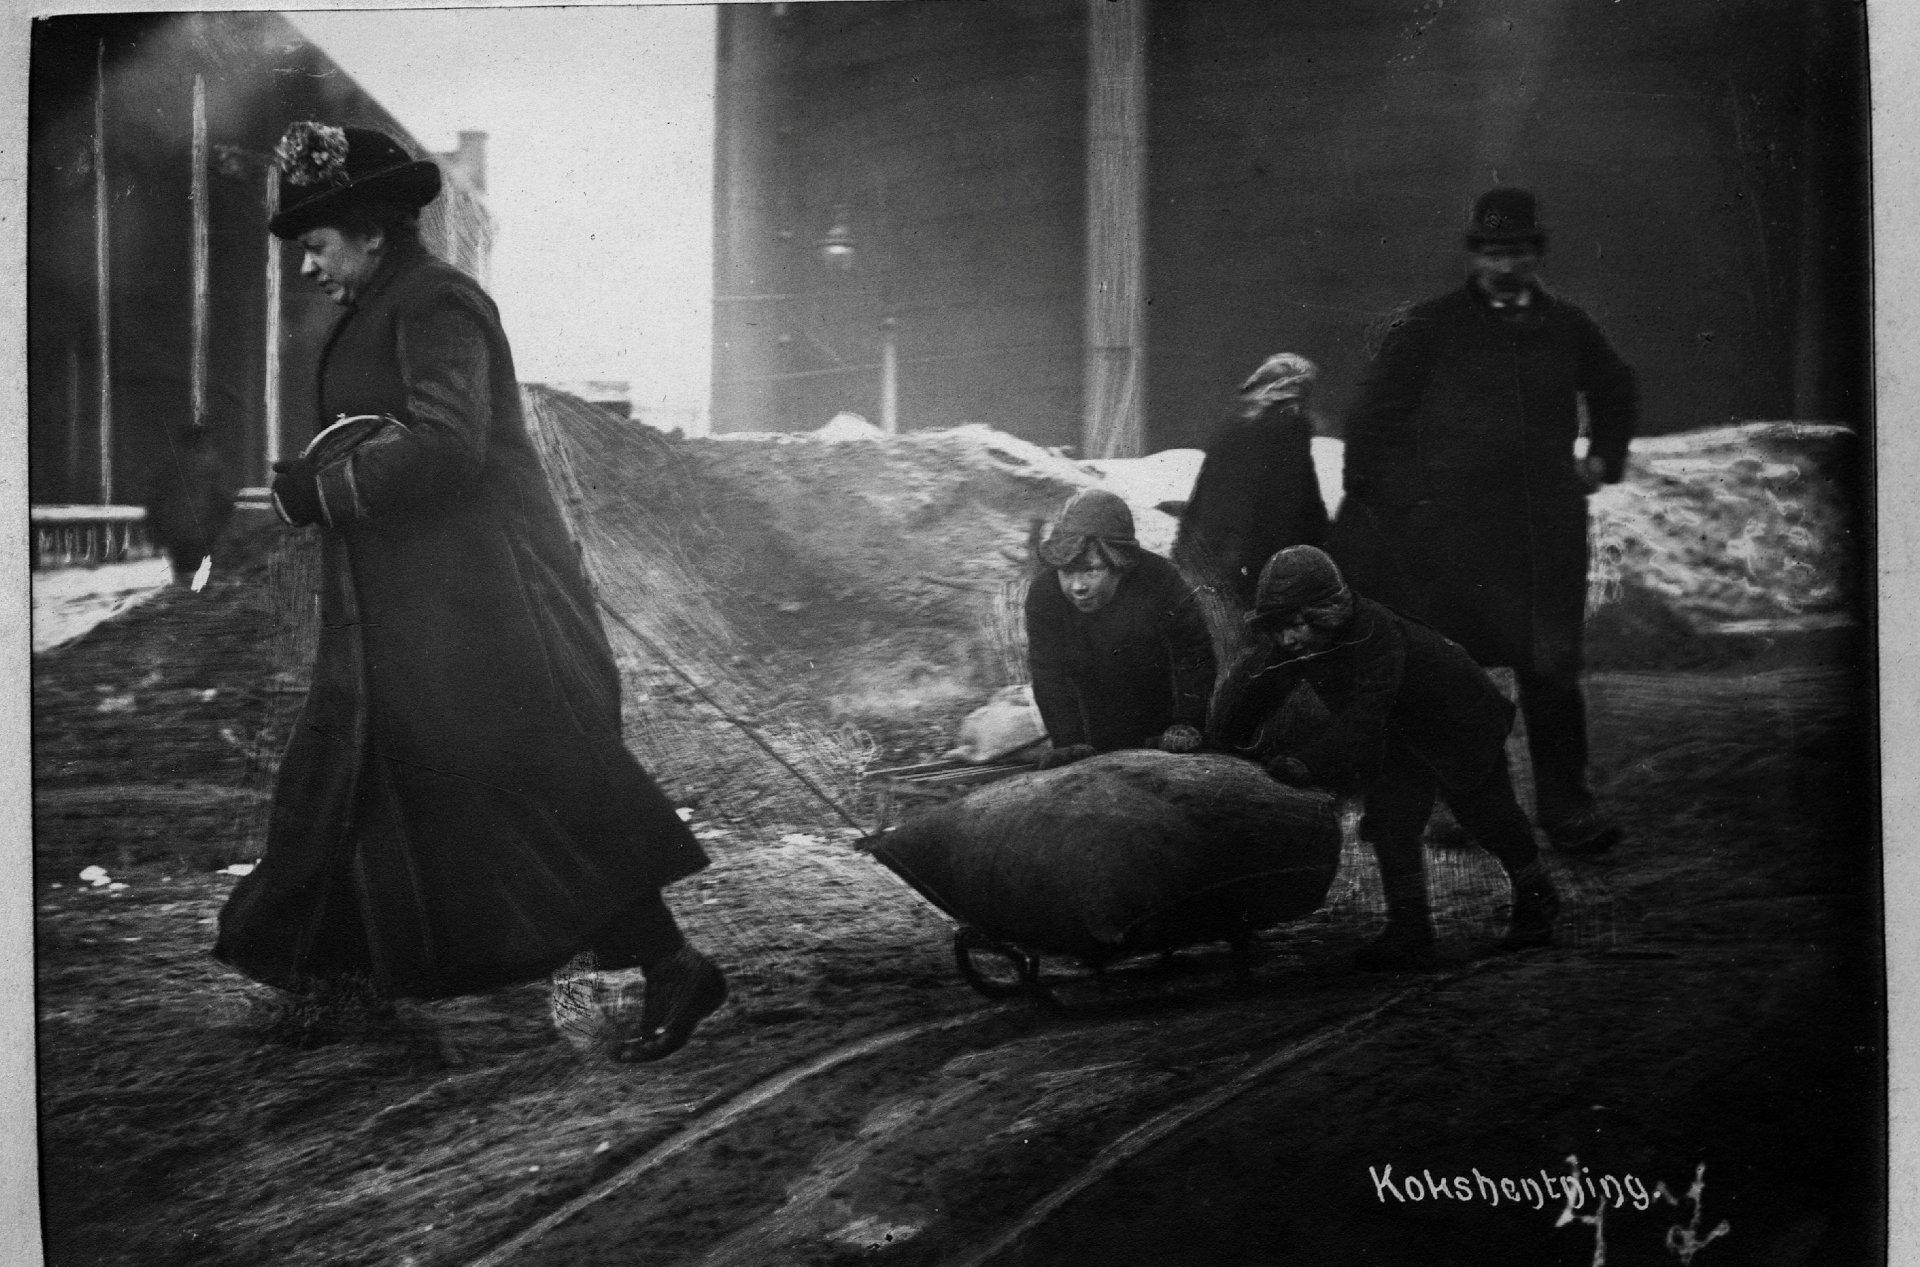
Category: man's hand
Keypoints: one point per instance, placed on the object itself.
(1593, 473)
(1179, 739)
(1065, 756)
(1291, 771)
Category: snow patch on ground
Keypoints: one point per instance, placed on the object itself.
(67, 602)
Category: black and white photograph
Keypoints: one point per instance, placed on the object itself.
(959, 633)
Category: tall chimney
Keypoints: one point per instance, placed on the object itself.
(470, 156)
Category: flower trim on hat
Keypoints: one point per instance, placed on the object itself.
(313, 154)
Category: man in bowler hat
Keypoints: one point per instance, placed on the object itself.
(1465, 505)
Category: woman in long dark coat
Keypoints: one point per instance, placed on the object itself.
(1256, 492)
(456, 810)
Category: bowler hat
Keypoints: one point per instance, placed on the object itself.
(1506, 215)
(325, 169)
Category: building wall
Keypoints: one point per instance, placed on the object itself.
(951, 134)
(260, 75)
(1310, 165)
(1314, 162)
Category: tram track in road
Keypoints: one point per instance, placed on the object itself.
(815, 1152)
(757, 1177)
(706, 1125)
(1165, 1123)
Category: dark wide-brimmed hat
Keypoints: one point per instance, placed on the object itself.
(325, 169)
(1090, 515)
(1506, 216)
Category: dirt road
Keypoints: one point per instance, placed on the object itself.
(1714, 1002)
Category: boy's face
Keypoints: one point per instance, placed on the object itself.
(1089, 585)
(1297, 637)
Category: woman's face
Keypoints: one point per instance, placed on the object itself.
(339, 262)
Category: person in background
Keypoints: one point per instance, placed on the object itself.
(1465, 504)
(1118, 650)
(1411, 718)
(190, 488)
(456, 811)
(1256, 492)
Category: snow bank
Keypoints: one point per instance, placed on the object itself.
(1733, 525)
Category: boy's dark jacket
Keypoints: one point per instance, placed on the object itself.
(1388, 683)
(1119, 677)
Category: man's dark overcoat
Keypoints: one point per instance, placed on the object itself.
(1256, 493)
(456, 809)
(1463, 504)
(1118, 677)
(1390, 685)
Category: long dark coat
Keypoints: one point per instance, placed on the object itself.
(1388, 684)
(456, 810)
(1463, 504)
(1256, 493)
(1118, 677)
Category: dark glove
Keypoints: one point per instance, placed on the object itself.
(296, 492)
(1291, 771)
(1178, 739)
(1066, 756)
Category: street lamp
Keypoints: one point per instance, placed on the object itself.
(836, 248)
(838, 254)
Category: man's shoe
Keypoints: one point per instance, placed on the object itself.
(1587, 832)
(681, 991)
(1536, 905)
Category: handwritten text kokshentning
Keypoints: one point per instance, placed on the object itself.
(1576, 1189)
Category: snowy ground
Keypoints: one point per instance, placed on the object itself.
(69, 601)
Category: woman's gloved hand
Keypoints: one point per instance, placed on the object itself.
(1065, 756)
(1291, 771)
(1178, 739)
(296, 492)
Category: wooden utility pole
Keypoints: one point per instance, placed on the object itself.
(197, 195)
(271, 413)
(1114, 401)
(889, 375)
(76, 463)
(103, 273)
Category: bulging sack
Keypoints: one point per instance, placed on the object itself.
(1124, 853)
